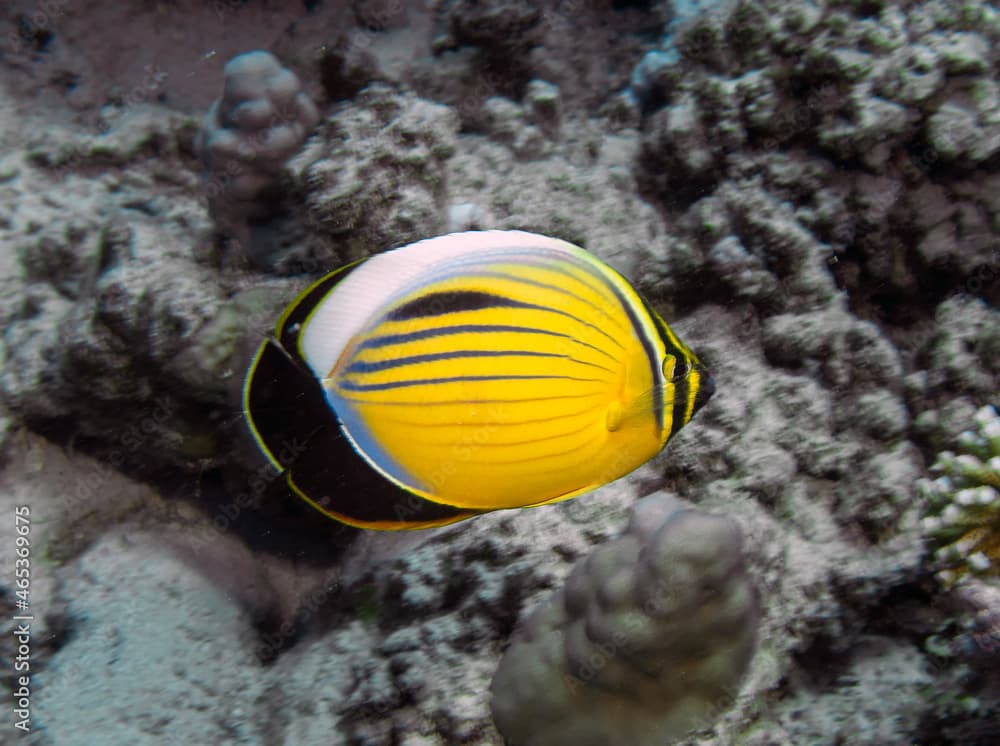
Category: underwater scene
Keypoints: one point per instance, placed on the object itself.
(442, 372)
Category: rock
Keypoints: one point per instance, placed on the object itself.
(964, 354)
(131, 661)
(503, 119)
(545, 105)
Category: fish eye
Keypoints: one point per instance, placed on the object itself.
(675, 368)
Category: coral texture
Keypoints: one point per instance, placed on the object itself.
(648, 639)
(248, 135)
(786, 95)
(374, 177)
(807, 191)
(963, 521)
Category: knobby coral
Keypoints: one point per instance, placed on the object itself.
(261, 120)
(962, 523)
(648, 639)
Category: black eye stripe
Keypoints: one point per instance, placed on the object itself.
(680, 368)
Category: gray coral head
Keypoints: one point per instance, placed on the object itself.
(256, 88)
(649, 638)
(262, 119)
(246, 72)
(263, 106)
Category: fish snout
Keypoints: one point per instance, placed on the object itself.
(706, 387)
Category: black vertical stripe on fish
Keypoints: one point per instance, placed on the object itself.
(647, 345)
(680, 403)
(291, 418)
(290, 323)
(670, 341)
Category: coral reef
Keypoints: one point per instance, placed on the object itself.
(963, 513)
(783, 97)
(374, 178)
(248, 135)
(647, 640)
(499, 48)
(808, 192)
(109, 293)
(980, 641)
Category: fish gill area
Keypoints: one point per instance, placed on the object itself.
(809, 192)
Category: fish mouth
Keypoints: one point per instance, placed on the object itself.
(706, 387)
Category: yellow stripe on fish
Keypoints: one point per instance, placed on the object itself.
(470, 372)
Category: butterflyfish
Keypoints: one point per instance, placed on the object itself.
(466, 373)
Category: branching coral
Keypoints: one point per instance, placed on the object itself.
(963, 516)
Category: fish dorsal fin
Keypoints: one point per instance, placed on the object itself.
(343, 313)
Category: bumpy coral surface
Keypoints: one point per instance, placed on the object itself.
(808, 191)
(261, 120)
(648, 639)
(374, 177)
(780, 94)
(963, 519)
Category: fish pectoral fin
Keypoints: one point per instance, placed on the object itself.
(634, 413)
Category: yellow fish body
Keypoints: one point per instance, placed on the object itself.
(469, 372)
